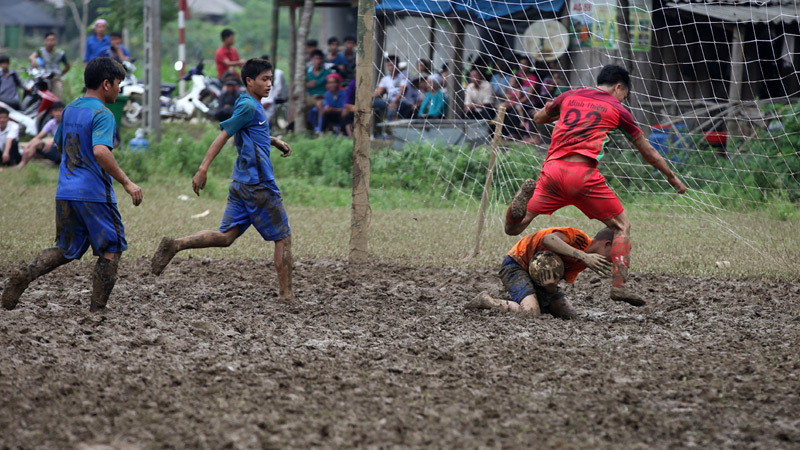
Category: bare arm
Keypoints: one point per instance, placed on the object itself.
(199, 179)
(378, 92)
(107, 161)
(653, 158)
(67, 66)
(542, 116)
(7, 152)
(32, 59)
(557, 242)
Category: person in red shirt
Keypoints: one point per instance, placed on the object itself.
(570, 176)
(534, 266)
(226, 57)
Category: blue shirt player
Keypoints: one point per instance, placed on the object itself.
(253, 197)
(86, 207)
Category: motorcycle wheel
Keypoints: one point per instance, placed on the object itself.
(132, 113)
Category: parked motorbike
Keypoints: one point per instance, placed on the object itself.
(36, 100)
(131, 88)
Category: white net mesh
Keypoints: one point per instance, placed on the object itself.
(715, 90)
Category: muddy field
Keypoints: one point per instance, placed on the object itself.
(385, 356)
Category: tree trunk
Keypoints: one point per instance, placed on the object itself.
(81, 21)
(292, 61)
(300, 67)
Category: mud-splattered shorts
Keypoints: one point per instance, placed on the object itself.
(258, 205)
(563, 183)
(80, 225)
(520, 285)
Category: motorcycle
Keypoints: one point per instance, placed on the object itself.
(36, 100)
(202, 96)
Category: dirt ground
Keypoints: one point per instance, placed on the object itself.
(383, 355)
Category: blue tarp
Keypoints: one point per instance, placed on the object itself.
(478, 9)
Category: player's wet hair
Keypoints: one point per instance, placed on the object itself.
(606, 234)
(3, 111)
(101, 69)
(612, 74)
(255, 67)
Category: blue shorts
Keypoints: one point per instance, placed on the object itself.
(258, 205)
(520, 284)
(83, 224)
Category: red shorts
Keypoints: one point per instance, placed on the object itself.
(563, 183)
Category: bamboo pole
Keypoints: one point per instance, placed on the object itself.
(498, 133)
(360, 210)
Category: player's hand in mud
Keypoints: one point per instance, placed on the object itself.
(677, 184)
(135, 192)
(199, 181)
(598, 263)
(283, 147)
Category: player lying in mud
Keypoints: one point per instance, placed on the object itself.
(534, 266)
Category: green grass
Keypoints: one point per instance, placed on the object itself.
(665, 240)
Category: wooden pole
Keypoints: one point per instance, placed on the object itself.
(300, 67)
(737, 75)
(455, 88)
(498, 133)
(360, 210)
(292, 59)
(276, 9)
(151, 114)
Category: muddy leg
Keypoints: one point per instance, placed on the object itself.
(519, 205)
(45, 261)
(620, 255)
(204, 239)
(103, 280)
(284, 265)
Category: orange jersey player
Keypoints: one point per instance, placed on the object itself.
(570, 176)
(534, 266)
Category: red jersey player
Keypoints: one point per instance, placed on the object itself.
(570, 176)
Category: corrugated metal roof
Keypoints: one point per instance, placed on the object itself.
(213, 7)
(16, 13)
(743, 13)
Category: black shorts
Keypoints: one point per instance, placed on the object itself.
(50, 153)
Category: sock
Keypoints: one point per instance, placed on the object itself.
(620, 255)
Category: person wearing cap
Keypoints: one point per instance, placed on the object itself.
(333, 106)
(98, 44)
(227, 100)
(393, 84)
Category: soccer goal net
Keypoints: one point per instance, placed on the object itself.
(715, 90)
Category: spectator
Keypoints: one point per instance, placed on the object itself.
(434, 105)
(424, 68)
(500, 79)
(316, 75)
(393, 84)
(479, 98)
(350, 55)
(530, 83)
(9, 135)
(226, 57)
(348, 115)
(311, 46)
(51, 60)
(333, 107)
(227, 100)
(277, 95)
(9, 83)
(98, 43)
(117, 50)
(334, 58)
(38, 147)
(513, 99)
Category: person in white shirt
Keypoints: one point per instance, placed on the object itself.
(9, 135)
(393, 84)
(479, 98)
(278, 94)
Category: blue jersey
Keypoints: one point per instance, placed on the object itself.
(250, 129)
(96, 48)
(86, 122)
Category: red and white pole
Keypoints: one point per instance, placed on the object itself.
(183, 12)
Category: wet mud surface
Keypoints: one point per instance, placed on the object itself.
(383, 355)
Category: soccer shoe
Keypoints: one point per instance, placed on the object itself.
(164, 254)
(519, 206)
(482, 301)
(17, 284)
(623, 294)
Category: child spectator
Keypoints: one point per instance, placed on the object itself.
(334, 58)
(513, 126)
(333, 104)
(38, 147)
(9, 135)
(227, 100)
(350, 55)
(349, 108)
(434, 105)
(316, 75)
(500, 78)
(117, 50)
(9, 83)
